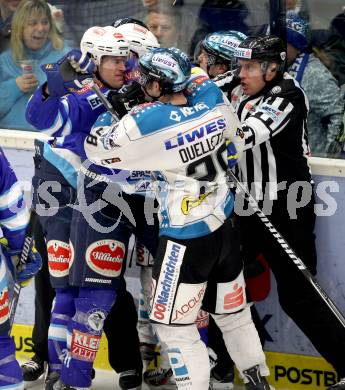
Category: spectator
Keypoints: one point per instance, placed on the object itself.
(165, 23)
(168, 19)
(7, 7)
(325, 98)
(34, 41)
(297, 7)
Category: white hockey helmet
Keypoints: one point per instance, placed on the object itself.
(104, 41)
(140, 39)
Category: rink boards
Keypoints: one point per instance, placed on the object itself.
(293, 361)
(287, 370)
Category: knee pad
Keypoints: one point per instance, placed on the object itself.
(92, 307)
(187, 354)
(84, 334)
(242, 340)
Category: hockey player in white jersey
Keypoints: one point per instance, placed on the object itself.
(197, 262)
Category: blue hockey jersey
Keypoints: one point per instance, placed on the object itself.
(14, 215)
(66, 119)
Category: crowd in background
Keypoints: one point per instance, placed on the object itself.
(26, 44)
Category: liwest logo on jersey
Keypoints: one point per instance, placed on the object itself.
(167, 282)
(186, 143)
(194, 134)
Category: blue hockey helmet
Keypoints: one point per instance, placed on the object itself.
(297, 32)
(170, 67)
(220, 47)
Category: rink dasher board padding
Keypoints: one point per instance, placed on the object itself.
(287, 370)
(292, 369)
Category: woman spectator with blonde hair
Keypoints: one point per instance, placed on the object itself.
(34, 41)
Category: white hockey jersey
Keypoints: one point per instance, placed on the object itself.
(184, 148)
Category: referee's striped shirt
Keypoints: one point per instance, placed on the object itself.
(274, 126)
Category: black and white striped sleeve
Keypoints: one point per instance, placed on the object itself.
(269, 119)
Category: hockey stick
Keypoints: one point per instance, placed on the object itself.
(288, 250)
(104, 100)
(23, 258)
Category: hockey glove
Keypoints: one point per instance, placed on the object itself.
(63, 79)
(81, 63)
(23, 273)
(129, 97)
(232, 155)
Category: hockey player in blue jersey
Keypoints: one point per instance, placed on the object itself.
(197, 261)
(66, 110)
(13, 222)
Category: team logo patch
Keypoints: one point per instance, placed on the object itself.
(60, 258)
(275, 90)
(95, 320)
(84, 346)
(4, 306)
(190, 202)
(105, 257)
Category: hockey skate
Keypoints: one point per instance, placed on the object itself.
(222, 382)
(338, 386)
(59, 385)
(161, 378)
(33, 369)
(130, 380)
(51, 379)
(256, 381)
(147, 351)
